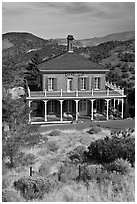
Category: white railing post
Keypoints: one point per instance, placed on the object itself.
(107, 92)
(122, 108)
(123, 91)
(29, 91)
(45, 92)
(29, 111)
(92, 92)
(61, 92)
(76, 92)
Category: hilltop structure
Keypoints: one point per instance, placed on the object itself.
(73, 87)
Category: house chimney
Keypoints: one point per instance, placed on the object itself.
(70, 44)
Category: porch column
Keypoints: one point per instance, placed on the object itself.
(122, 107)
(107, 100)
(118, 104)
(61, 118)
(30, 111)
(76, 109)
(92, 101)
(45, 101)
(114, 103)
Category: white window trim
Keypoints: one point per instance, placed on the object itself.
(83, 89)
(51, 83)
(97, 89)
(70, 78)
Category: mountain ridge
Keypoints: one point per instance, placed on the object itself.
(121, 36)
(7, 39)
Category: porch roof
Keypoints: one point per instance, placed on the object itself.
(70, 61)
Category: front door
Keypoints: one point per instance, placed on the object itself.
(69, 84)
(83, 107)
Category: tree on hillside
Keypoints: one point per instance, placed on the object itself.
(32, 74)
(131, 101)
(14, 113)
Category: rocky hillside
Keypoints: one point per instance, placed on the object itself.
(118, 56)
(97, 40)
(112, 37)
(18, 49)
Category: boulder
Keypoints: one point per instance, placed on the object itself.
(17, 92)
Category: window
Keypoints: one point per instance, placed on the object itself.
(97, 83)
(83, 84)
(69, 84)
(50, 84)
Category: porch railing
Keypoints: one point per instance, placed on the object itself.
(114, 87)
(76, 93)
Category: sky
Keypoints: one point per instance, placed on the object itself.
(58, 19)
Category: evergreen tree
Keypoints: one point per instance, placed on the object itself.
(32, 75)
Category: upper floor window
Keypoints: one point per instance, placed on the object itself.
(52, 84)
(97, 83)
(83, 84)
(69, 84)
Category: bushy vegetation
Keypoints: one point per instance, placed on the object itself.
(55, 133)
(94, 130)
(25, 159)
(34, 187)
(119, 165)
(31, 188)
(11, 195)
(63, 172)
(109, 149)
(52, 146)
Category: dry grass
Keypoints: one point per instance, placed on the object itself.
(78, 192)
(49, 156)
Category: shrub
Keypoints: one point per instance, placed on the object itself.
(5, 183)
(77, 154)
(67, 172)
(25, 159)
(94, 130)
(44, 169)
(108, 149)
(11, 195)
(90, 172)
(120, 165)
(52, 146)
(33, 139)
(33, 187)
(55, 133)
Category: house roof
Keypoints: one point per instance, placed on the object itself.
(69, 61)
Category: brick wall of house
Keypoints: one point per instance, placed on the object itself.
(61, 80)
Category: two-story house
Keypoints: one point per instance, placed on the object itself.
(72, 87)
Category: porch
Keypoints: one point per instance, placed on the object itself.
(69, 110)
